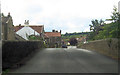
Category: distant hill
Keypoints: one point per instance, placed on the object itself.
(67, 36)
(75, 34)
(80, 33)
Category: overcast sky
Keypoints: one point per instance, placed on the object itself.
(66, 15)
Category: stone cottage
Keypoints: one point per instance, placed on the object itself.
(7, 28)
(53, 38)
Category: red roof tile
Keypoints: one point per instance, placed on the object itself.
(16, 28)
(52, 34)
(39, 29)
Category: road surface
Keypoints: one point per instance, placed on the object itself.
(70, 60)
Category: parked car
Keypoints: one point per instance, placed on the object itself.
(64, 46)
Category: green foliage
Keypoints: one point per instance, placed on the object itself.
(32, 37)
(110, 30)
(76, 35)
(66, 37)
(115, 15)
(91, 36)
(96, 25)
(73, 41)
(95, 28)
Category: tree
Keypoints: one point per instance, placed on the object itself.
(111, 30)
(96, 25)
(115, 15)
(73, 41)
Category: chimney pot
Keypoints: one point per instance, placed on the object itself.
(60, 31)
(53, 30)
(9, 14)
(27, 22)
(19, 24)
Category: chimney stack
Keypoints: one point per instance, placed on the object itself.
(60, 31)
(25, 22)
(19, 24)
(9, 14)
(53, 30)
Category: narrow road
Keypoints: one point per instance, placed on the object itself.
(71, 60)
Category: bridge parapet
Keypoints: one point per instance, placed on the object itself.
(108, 47)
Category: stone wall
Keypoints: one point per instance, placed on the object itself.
(15, 51)
(108, 47)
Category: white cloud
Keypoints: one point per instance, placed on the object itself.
(59, 13)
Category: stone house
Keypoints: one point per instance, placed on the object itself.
(53, 39)
(7, 28)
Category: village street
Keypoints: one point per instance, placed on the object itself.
(68, 60)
